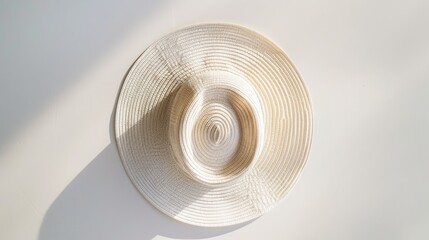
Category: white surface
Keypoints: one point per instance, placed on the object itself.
(365, 63)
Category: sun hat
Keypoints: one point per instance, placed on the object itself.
(213, 124)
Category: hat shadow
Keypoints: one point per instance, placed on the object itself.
(102, 203)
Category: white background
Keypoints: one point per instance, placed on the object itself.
(366, 66)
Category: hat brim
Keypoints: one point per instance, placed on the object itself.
(141, 123)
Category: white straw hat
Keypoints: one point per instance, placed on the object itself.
(213, 124)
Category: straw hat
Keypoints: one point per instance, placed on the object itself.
(213, 124)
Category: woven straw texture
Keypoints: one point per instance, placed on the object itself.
(213, 124)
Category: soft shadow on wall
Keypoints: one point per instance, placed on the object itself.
(102, 203)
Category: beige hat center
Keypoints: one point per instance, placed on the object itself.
(215, 127)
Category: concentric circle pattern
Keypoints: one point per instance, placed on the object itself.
(213, 124)
(216, 128)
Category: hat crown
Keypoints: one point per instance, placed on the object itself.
(216, 127)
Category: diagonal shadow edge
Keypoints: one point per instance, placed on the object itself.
(101, 202)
